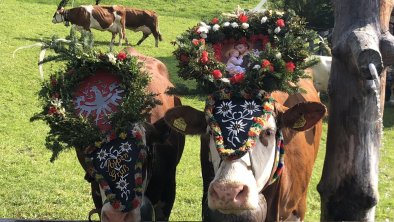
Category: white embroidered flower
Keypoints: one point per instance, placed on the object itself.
(234, 25)
(250, 107)
(277, 30)
(245, 25)
(225, 108)
(125, 147)
(216, 27)
(236, 127)
(226, 24)
(111, 58)
(257, 67)
(102, 155)
(264, 19)
(203, 35)
(122, 186)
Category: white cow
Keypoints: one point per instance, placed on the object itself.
(321, 72)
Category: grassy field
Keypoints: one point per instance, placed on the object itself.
(32, 187)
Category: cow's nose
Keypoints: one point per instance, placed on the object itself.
(229, 194)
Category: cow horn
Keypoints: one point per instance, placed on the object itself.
(62, 4)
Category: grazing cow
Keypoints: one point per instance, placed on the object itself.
(143, 20)
(167, 150)
(247, 187)
(103, 18)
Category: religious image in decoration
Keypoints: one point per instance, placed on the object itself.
(258, 50)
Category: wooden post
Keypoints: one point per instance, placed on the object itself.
(349, 184)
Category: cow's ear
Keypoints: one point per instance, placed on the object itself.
(186, 120)
(302, 116)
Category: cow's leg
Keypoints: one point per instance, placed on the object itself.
(157, 36)
(144, 36)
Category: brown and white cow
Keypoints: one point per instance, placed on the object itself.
(167, 150)
(103, 18)
(240, 189)
(145, 21)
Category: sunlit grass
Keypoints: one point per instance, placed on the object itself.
(32, 187)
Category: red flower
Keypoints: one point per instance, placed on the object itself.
(237, 78)
(135, 203)
(138, 181)
(217, 74)
(290, 66)
(243, 18)
(138, 135)
(195, 42)
(267, 64)
(121, 56)
(280, 23)
(116, 205)
(52, 110)
(204, 54)
(215, 21)
(202, 41)
(204, 57)
(217, 48)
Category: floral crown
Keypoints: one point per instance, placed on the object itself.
(69, 127)
(275, 59)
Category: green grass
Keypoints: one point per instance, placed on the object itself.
(32, 187)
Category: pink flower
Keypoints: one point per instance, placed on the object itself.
(280, 23)
(195, 42)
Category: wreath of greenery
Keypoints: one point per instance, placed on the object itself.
(279, 63)
(67, 128)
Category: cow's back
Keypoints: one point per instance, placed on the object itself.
(137, 17)
(300, 153)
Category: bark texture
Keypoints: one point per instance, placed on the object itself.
(349, 183)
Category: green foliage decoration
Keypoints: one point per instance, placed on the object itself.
(67, 128)
(280, 50)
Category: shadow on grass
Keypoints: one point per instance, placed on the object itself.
(388, 116)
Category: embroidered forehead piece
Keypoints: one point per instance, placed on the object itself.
(236, 121)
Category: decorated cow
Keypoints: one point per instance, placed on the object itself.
(105, 106)
(261, 126)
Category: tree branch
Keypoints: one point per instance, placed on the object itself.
(364, 46)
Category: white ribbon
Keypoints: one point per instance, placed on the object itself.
(258, 6)
(41, 58)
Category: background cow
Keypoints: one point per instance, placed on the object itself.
(103, 18)
(166, 154)
(238, 190)
(145, 21)
(321, 73)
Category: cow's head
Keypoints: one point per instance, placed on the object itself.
(58, 17)
(121, 167)
(246, 146)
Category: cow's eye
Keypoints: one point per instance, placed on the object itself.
(268, 132)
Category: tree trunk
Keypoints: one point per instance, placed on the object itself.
(349, 183)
